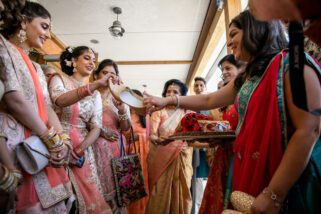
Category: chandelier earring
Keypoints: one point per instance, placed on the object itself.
(74, 65)
(22, 36)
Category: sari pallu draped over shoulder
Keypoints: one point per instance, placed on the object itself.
(85, 179)
(262, 138)
(51, 186)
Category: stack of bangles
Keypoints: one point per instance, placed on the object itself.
(53, 141)
(123, 117)
(10, 179)
(84, 91)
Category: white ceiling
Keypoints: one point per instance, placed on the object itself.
(156, 30)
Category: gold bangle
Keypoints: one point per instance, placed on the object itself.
(2, 134)
(5, 174)
(8, 183)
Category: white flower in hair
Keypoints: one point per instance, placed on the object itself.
(70, 49)
(68, 63)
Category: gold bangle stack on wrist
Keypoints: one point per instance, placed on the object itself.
(10, 179)
(52, 139)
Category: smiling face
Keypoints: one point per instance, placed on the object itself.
(235, 43)
(199, 87)
(229, 71)
(85, 63)
(37, 30)
(173, 90)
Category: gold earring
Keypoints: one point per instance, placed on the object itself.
(22, 36)
(74, 65)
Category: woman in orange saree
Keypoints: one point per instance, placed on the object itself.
(142, 146)
(169, 166)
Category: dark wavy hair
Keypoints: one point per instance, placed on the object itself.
(200, 79)
(182, 87)
(262, 40)
(142, 119)
(71, 53)
(230, 58)
(104, 63)
(15, 10)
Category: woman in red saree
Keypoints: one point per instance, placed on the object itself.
(26, 108)
(169, 166)
(116, 119)
(277, 148)
(217, 184)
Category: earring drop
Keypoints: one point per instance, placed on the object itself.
(22, 36)
(74, 65)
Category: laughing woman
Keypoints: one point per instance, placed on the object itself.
(26, 110)
(80, 109)
(277, 148)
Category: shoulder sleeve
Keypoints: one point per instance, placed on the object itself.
(96, 119)
(155, 122)
(7, 71)
(56, 88)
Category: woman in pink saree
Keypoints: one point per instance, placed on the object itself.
(116, 119)
(169, 166)
(80, 109)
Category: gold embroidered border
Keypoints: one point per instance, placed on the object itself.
(47, 195)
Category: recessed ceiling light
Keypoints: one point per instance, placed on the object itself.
(94, 41)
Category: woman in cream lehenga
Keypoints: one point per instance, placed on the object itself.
(169, 166)
(116, 119)
(80, 109)
(25, 110)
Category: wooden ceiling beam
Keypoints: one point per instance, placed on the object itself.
(209, 19)
(231, 8)
(155, 62)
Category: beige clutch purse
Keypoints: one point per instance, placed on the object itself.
(241, 202)
(32, 155)
(1, 89)
(126, 95)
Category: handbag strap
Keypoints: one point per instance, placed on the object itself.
(122, 148)
(36, 150)
(132, 140)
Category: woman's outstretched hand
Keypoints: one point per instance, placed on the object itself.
(153, 103)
